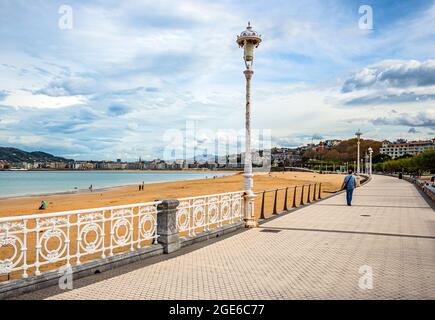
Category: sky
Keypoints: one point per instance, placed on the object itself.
(111, 79)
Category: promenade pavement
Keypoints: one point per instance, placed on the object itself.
(323, 251)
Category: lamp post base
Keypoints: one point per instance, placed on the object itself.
(250, 221)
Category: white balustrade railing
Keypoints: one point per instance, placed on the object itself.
(32, 244)
(196, 214)
(28, 243)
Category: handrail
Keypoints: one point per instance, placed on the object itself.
(210, 195)
(79, 211)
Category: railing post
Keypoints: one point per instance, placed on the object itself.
(294, 196)
(320, 191)
(250, 221)
(309, 193)
(285, 200)
(167, 225)
(262, 207)
(274, 202)
(314, 193)
(38, 248)
(24, 250)
(302, 195)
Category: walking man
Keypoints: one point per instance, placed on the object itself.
(349, 184)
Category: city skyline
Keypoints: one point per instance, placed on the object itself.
(111, 86)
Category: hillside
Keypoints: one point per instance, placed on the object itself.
(13, 155)
(344, 151)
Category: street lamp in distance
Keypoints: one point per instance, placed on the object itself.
(358, 135)
(370, 161)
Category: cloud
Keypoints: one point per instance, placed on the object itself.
(385, 98)
(395, 74)
(116, 110)
(317, 137)
(3, 94)
(70, 85)
(413, 130)
(421, 119)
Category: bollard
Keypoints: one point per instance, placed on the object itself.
(314, 193)
(262, 207)
(302, 196)
(274, 202)
(294, 197)
(285, 200)
(320, 191)
(309, 194)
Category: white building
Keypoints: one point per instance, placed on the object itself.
(398, 149)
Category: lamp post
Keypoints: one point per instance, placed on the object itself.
(248, 40)
(366, 161)
(370, 157)
(358, 135)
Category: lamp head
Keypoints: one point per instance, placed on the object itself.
(248, 40)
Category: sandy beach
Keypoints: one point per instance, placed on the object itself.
(131, 194)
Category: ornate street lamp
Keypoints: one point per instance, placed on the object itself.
(248, 40)
(370, 155)
(358, 135)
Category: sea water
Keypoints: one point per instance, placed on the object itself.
(18, 183)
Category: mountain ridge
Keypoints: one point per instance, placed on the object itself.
(14, 155)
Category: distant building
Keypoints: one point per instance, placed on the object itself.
(321, 147)
(84, 165)
(332, 143)
(4, 165)
(402, 147)
(285, 157)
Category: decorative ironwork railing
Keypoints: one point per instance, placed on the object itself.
(34, 243)
(198, 214)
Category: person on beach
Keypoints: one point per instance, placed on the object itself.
(349, 184)
(143, 185)
(43, 205)
(90, 188)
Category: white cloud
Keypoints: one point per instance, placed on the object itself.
(393, 73)
(26, 99)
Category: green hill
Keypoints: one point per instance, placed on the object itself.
(13, 155)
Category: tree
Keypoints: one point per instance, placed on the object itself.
(406, 155)
(426, 160)
(422, 162)
(380, 157)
